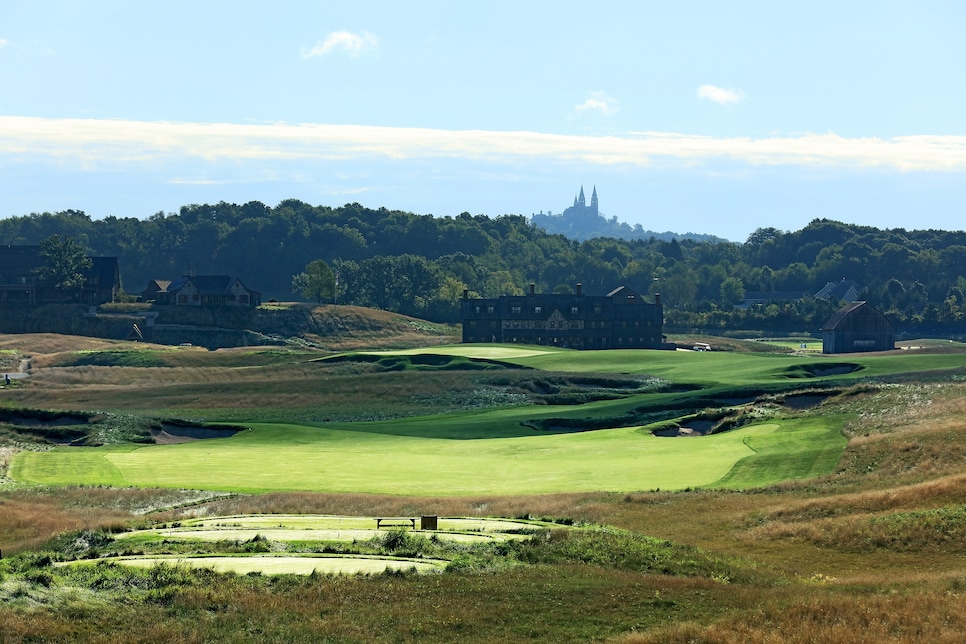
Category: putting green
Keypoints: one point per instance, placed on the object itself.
(295, 457)
(337, 522)
(321, 528)
(482, 351)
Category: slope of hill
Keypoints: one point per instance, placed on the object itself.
(335, 328)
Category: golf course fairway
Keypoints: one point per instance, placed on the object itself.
(273, 457)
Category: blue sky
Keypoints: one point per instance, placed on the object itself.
(703, 117)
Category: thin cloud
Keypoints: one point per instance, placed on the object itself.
(353, 44)
(92, 143)
(720, 95)
(4, 43)
(598, 102)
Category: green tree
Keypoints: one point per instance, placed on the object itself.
(316, 283)
(66, 263)
(732, 291)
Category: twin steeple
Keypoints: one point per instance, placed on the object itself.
(580, 209)
(581, 201)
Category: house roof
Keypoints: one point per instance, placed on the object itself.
(847, 290)
(206, 284)
(622, 290)
(27, 257)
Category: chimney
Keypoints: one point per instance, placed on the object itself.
(533, 288)
(580, 288)
(657, 299)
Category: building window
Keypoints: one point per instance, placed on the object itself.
(490, 309)
(537, 310)
(573, 310)
(477, 308)
(596, 310)
(182, 299)
(515, 310)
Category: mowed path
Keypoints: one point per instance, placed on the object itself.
(295, 457)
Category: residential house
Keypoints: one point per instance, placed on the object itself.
(202, 290)
(845, 291)
(20, 286)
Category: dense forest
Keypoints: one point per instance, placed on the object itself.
(420, 264)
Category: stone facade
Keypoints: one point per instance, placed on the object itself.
(622, 319)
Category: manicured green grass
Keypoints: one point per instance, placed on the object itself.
(293, 457)
(812, 345)
(281, 564)
(321, 528)
(734, 369)
(801, 448)
(498, 451)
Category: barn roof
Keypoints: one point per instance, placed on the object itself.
(839, 316)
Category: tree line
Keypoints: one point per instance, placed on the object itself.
(420, 264)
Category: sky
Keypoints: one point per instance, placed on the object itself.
(695, 116)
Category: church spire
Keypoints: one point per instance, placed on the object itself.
(582, 200)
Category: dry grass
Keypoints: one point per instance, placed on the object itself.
(933, 616)
(28, 523)
(29, 518)
(44, 343)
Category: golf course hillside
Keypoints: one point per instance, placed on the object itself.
(455, 420)
(757, 492)
(327, 327)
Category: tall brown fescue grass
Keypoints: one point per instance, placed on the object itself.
(29, 517)
(936, 617)
(28, 523)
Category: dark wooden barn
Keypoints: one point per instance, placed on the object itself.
(856, 327)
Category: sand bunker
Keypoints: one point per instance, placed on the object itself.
(691, 428)
(170, 433)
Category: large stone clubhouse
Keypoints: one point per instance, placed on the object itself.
(622, 319)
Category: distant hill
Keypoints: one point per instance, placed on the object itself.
(582, 222)
(603, 227)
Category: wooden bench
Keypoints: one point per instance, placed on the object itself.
(395, 521)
